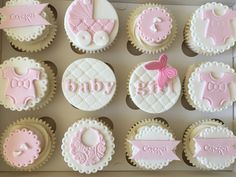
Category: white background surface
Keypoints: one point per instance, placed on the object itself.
(122, 116)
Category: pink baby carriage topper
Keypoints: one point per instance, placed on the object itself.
(88, 29)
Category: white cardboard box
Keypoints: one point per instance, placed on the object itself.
(122, 116)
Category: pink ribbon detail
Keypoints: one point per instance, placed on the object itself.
(155, 149)
(215, 147)
(166, 73)
(22, 16)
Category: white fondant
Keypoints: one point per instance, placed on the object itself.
(25, 33)
(21, 65)
(99, 13)
(198, 26)
(154, 102)
(153, 132)
(84, 38)
(195, 86)
(71, 132)
(84, 71)
(101, 38)
(210, 131)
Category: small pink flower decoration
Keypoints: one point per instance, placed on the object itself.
(165, 74)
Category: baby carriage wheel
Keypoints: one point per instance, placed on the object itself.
(84, 38)
(101, 38)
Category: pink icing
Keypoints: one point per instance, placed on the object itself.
(155, 149)
(154, 25)
(215, 147)
(21, 148)
(81, 19)
(165, 72)
(219, 28)
(88, 155)
(20, 88)
(92, 86)
(23, 15)
(216, 91)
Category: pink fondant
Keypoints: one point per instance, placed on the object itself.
(165, 72)
(154, 25)
(21, 148)
(155, 149)
(216, 91)
(88, 155)
(20, 88)
(22, 16)
(92, 86)
(215, 147)
(219, 28)
(81, 19)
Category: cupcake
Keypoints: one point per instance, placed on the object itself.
(26, 84)
(211, 29)
(151, 145)
(151, 28)
(29, 25)
(88, 146)
(89, 27)
(209, 145)
(154, 86)
(88, 84)
(27, 144)
(210, 86)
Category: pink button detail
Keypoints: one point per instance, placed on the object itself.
(88, 155)
(155, 149)
(20, 88)
(21, 148)
(154, 25)
(81, 19)
(215, 147)
(165, 72)
(219, 28)
(216, 91)
(22, 16)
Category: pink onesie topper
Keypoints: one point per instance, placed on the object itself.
(22, 16)
(207, 147)
(219, 28)
(81, 19)
(216, 91)
(165, 72)
(155, 149)
(88, 155)
(20, 88)
(21, 148)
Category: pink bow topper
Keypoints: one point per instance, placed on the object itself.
(166, 73)
(22, 16)
(19, 83)
(155, 149)
(215, 147)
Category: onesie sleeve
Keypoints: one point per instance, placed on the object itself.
(204, 76)
(206, 14)
(34, 74)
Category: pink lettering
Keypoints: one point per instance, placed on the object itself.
(92, 86)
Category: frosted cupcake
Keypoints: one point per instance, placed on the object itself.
(151, 145)
(209, 145)
(27, 144)
(212, 29)
(26, 84)
(88, 146)
(89, 27)
(88, 84)
(210, 86)
(29, 25)
(154, 86)
(151, 28)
